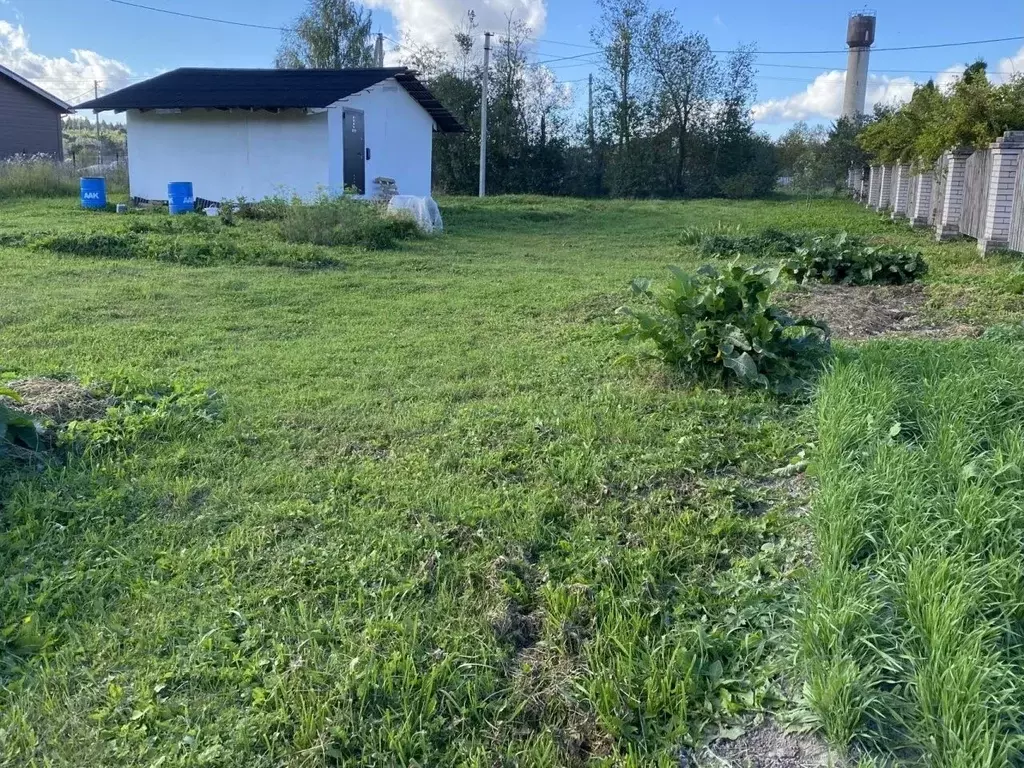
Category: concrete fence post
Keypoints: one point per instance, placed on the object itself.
(864, 184)
(922, 210)
(1006, 152)
(947, 225)
(900, 191)
(874, 185)
(885, 188)
(856, 177)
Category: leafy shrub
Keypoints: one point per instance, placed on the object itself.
(722, 321)
(840, 258)
(848, 260)
(346, 221)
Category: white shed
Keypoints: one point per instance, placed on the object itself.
(258, 133)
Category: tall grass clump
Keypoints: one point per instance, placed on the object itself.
(36, 176)
(42, 176)
(910, 635)
(346, 221)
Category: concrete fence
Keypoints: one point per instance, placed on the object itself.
(974, 192)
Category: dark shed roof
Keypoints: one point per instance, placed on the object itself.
(270, 89)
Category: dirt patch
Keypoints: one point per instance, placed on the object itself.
(546, 683)
(58, 401)
(864, 312)
(768, 746)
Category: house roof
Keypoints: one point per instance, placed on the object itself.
(269, 89)
(63, 106)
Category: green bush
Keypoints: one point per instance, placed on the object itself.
(722, 321)
(850, 261)
(346, 221)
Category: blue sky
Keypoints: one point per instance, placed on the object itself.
(65, 44)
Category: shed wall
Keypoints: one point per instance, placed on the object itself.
(227, 155)
(399, 135)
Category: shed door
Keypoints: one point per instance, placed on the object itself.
(354, 150)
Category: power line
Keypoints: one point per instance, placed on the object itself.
(201, 18)
(596, 49)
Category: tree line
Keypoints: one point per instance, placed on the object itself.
(669, 117)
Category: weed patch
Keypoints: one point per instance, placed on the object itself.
(840, 259)
(196, 250)
(722, 321)
(345, 221)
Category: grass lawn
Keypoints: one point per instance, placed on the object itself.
(433, 522)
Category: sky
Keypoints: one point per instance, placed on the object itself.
(66, 45)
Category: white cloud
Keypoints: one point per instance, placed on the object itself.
(949, 75)
(823, 98)
(1010, 66)
(430, 22)
(70, 79)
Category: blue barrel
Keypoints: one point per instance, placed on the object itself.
(180, 198)
(94, 192)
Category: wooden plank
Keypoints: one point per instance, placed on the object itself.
(1017, 218)
(976, 179)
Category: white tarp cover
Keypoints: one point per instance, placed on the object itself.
(423, 209)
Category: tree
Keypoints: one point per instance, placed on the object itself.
(841, 152)
(687, 78)
(619, 33)
(329, 34)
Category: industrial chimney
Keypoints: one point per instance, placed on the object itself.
(860, 34)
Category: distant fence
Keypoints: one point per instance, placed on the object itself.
(978, 193)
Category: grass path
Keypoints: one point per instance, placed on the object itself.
(435, 524)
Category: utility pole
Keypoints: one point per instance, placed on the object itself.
(378, 50)
(590, 110)
(483, 114)
(99, 143)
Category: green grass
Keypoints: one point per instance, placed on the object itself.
(911, 631)
(433, 523)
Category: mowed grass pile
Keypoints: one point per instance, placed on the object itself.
(432, 523)
(912, 632)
